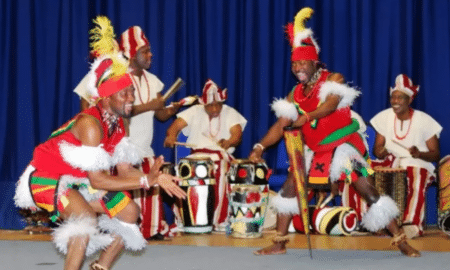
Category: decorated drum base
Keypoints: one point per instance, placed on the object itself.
(248, 204)
(444, 221)
(197, 210)
(336, 220)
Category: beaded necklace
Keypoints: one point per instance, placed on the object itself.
(210, 128)
(138, 88)
(409, 126)
(312, 82)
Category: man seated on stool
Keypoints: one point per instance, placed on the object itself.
(408, 139)
(213, 129)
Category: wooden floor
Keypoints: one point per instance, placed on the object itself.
(433, 240)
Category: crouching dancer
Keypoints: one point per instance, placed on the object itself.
(68, 175)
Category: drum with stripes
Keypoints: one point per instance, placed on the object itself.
(337, 220)
(444, 195)
(248, 199)
(197, 210)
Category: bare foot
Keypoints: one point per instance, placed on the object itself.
(408, 250)
(275, 249)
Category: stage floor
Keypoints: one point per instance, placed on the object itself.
(433, 240)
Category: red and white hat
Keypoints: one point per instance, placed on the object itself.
(304, 46)
(132, 40)
(211, 93)
(405, 85)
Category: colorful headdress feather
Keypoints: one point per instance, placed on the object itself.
(304, 46)
(109, 71)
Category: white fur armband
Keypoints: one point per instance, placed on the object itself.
(127, 152)
(284, 108)
(87, 158)
(348, 94)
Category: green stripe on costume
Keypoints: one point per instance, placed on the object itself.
(63, 129)
(43, 181)
(341, 133)
(117, 199)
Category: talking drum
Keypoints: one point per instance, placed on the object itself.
(197, 179)
(337, 220)
(248, 198)
(444, 195)
(392, 182)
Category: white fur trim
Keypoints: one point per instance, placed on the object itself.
(127, 152)
(303, 35)
(91, 86)
(89, 193)
(380, 214)
(87, 158)
(130, 233)
(284, 108)
(343, 159)
(79, 226)
(348, 94)
(309, 154)
(22, 197)
(285, 205)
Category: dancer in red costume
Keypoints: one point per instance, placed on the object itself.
(320, 105)
(68, 175)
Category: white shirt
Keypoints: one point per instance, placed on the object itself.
(423, 127)
(141, 126)
(204, 133)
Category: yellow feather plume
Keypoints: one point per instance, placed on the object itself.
(300, 19)
(102, 36)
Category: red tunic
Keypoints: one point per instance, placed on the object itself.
(315, 132)
(47, 156)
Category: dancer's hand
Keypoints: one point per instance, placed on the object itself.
(169, 184)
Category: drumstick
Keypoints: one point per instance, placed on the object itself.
(189, 145)
(175, 87)
(399, 144)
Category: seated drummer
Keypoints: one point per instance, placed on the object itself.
(213, 129)
(408, 139)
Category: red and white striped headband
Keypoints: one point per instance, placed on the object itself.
(132, 40)
(405, 85)
(211, 93)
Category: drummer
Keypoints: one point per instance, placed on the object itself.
(408, 139)
(213, 129)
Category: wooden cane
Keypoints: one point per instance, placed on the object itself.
(399, 144)
(294, 147)
(188, 145)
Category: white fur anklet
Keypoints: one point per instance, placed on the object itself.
(287, 206)
(380, 214)
(130, 233)
(79, 226)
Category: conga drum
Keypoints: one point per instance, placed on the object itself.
(197, 211)
(392, 182)
(444, 195)
(248, 198)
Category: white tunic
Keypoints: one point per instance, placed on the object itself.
(141, 126)
(423, 127)
(204, 133)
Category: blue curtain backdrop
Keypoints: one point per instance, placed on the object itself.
(240, 44)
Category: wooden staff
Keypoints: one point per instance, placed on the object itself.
(294, 147)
